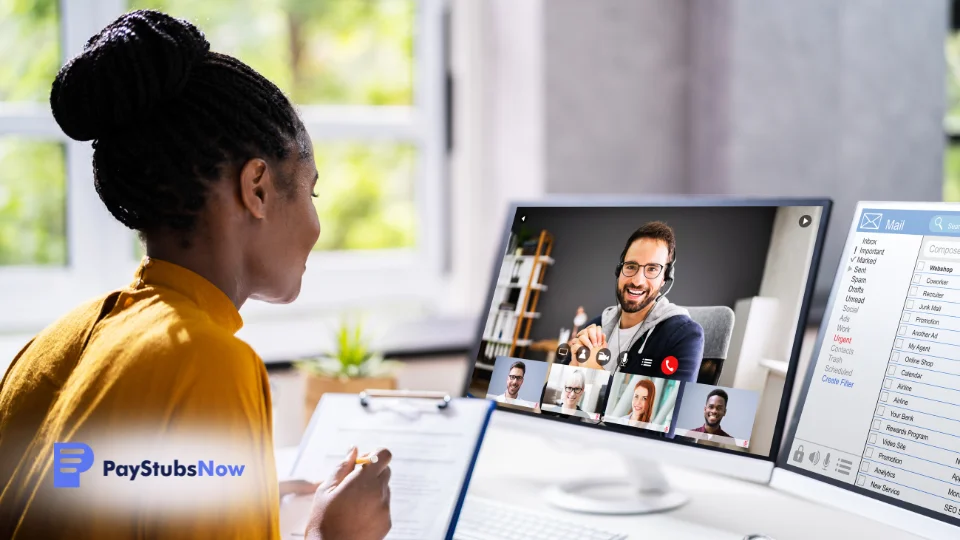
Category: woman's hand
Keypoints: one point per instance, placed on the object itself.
(354, 503)
(297, 487)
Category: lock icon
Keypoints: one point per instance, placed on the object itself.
(798, 455)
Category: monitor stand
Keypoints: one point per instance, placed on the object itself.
(644, 490)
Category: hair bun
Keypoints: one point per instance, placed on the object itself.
(138, 61)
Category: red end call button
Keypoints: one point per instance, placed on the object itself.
(669, 365)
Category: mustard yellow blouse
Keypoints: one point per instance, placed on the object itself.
(153, 364)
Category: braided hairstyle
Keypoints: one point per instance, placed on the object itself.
(167, 116)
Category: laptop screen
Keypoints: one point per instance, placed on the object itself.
(671, 322)
(880, 412)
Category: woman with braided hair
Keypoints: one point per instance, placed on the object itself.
(209, 162)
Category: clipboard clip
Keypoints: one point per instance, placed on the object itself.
(442, 397)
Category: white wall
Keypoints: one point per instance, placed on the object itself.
(497, 64)
(819, 98)
(615, 96)
(744, 97)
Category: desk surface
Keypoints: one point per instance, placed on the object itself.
(515, 467)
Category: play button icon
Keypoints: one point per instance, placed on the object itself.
(805, 221)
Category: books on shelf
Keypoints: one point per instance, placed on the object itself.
(513, 306)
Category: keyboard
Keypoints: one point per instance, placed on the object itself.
(483, 519)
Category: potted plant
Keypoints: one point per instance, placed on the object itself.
(351, 367)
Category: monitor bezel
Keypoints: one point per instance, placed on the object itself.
(783, 458)
(569, 201)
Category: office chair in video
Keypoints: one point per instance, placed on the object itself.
(717, 323)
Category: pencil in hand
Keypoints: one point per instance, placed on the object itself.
(366, 460)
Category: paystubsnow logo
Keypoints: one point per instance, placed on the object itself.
(71, 459)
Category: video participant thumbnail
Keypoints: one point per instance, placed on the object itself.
(572, 391)
(642, 402)
(720, 415)
(517, 382)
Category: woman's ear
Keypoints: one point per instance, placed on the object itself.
(256, 181)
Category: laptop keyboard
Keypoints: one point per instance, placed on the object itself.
(483, 519)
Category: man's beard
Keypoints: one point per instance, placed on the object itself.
(631, 306)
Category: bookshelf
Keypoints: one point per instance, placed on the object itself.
(515, 299)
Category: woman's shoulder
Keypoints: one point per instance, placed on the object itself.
(196, 336)
(176, 334)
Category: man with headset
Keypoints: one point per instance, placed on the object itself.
(644, 333)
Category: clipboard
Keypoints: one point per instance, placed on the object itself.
(435, 441)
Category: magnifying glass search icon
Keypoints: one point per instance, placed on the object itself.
(938, 221)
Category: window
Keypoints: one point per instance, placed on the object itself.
(367, 194)
(339, 61)
(32, 209)
(32, 168)
(367, 77)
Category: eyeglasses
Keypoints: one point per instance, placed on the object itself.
(650, 270)
(572, 389)
(515, 377)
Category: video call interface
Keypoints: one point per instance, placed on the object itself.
(659, 322)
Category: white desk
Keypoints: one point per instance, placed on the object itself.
(515, 467)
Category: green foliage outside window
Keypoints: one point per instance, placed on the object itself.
(356, 52)
(365, 196)
(32, 203)
(32, 173)
(30, 40)
(951, 163)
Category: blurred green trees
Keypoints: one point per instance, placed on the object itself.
(365, 195)
(951, 162)
(30, 41)
(32, 186)
(320, 52)
(32, 202)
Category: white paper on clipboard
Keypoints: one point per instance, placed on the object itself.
(433, 451)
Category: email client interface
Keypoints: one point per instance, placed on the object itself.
(882, 410)
(682, 304)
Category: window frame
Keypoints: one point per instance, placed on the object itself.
(100, 254)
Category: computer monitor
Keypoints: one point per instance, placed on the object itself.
(877, 423)
(697, 307)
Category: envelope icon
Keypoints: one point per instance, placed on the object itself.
(870, 221)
